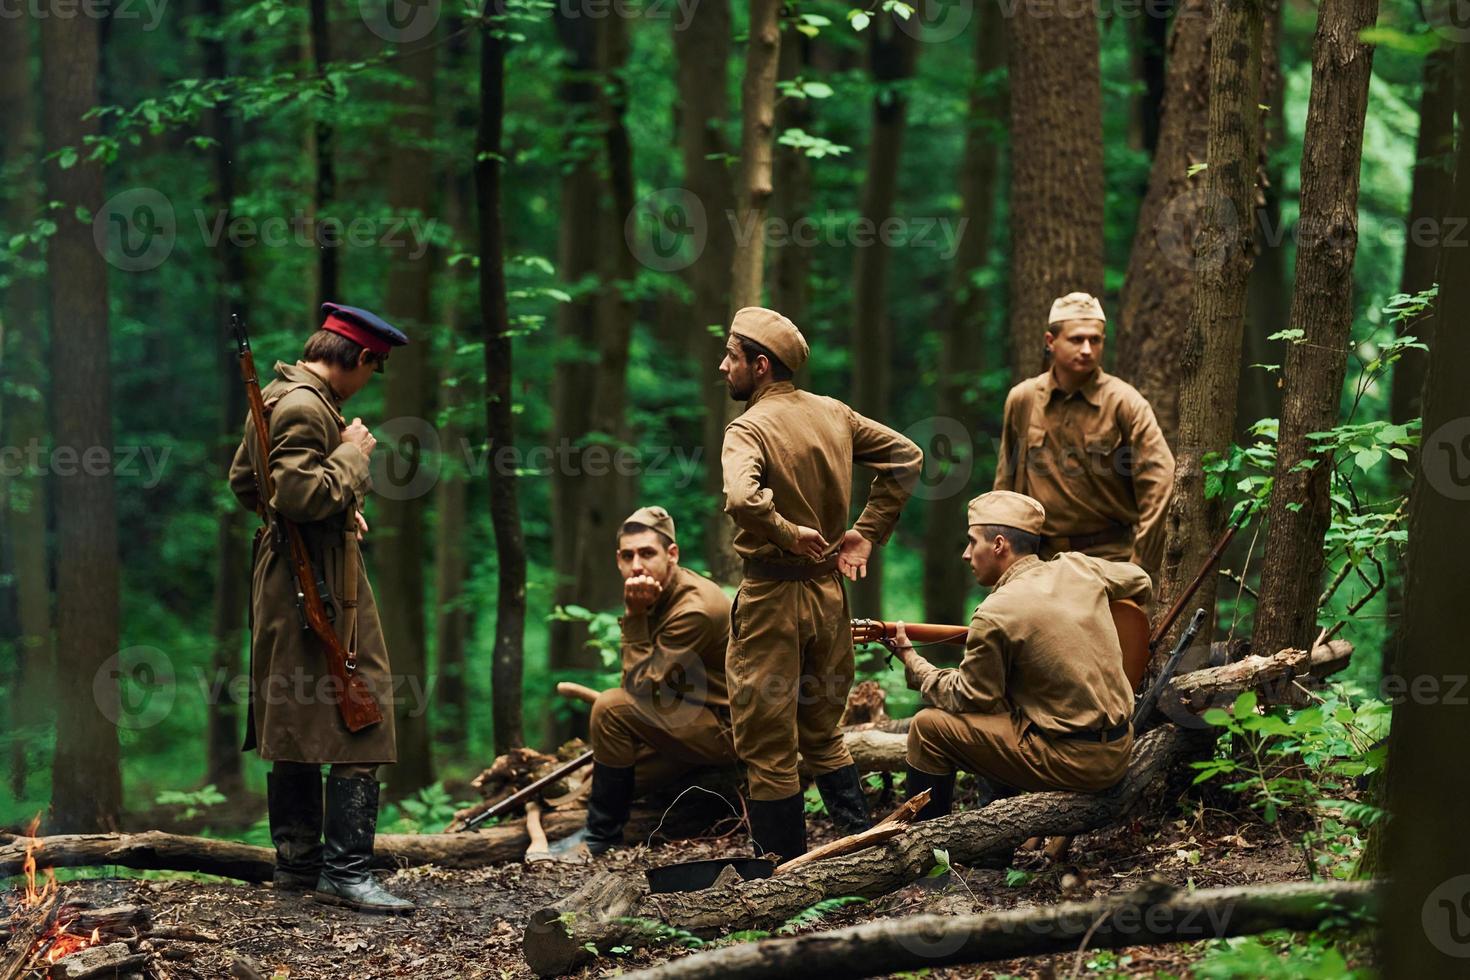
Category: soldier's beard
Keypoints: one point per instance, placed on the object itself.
(739, 394)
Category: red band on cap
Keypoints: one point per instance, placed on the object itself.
(358, 335)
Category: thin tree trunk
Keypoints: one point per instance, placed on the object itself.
(576, 331)
(24, 497)
(325, 190)
(232, 556)
(792, 189)
(86, 784)
(1057, 188)
(398, 536)
(892, 52)
(1322, 305)
(757, 123)
(702, 54)
(1150, 42)
(505, 515)
(947, 579)
(1222, 262)
(1154, 304)
(1424, 923)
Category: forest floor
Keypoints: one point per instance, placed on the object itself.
(470, 922)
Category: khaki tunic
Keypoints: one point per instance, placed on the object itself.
(1095, 459)
(320, 482)
(1042, 659)
(787, 462)
(671, 713)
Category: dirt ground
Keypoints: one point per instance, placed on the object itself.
(470, 923)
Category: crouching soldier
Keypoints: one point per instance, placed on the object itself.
(671, 712)
(319, 466)
(1040, 700)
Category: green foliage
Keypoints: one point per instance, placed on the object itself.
(427, 812)
(1276, 956)
(815, 914)
(190, 802)
(1306, 761)
(1016, 877)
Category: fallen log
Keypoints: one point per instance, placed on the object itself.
(1143, 917)
(1274, 678)
(551, 948)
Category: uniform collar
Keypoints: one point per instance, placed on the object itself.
(1019, 567)
(1088, 391)
(774, 388)
(299, 373)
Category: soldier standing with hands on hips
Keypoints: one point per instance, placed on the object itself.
(788, 463)
(319, 465)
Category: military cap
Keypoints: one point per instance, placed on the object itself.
(654, 517)
(367, 330)
(1076, 306)
(1009, 509)
(773, 332)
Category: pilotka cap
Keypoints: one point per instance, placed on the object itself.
(1076, 306)
(654, 517)
(773, 332)
(1008, 508)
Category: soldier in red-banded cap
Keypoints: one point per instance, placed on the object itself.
(1040, 699)
(319, 462)
(788, 463)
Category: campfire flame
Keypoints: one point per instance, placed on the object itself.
(55, 942)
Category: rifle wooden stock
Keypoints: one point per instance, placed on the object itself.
(876, 631)
(354, 701)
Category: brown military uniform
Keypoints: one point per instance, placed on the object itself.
(1042, 660)
(672, 711)
(1096, 460)
(320, 482)
(788, 462)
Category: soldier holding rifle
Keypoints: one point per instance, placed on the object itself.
(317, 471)
(788, 462)
(1040, 700)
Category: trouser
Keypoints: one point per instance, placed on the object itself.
(344, 770)
(1010, 750)
(789, 666)
(1119, 550)
(662, 743)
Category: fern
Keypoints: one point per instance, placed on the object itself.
(813, 915)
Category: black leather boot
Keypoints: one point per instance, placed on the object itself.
(294, 805)
(941, 792)
(778, 827)
(842, 793)
(351, 825)
(607, 811)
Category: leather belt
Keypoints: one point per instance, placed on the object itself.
(1081, 542)
(1103, 735)
(789, 573)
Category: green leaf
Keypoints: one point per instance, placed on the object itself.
(68, 158)
(1367, 458)
(858, 19)
(1216, 716)
(1245, 705)
(1293, 335)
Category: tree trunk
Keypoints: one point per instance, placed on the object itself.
(323, 143)
(1148, 915)
(505, 515)
(948, 580)
(24, 496)
(792, 190)
(1221, 261)
(1423, 932)
(398, 536)
(575, 369)
(702, 53)
(1322, 306)
(1150, 42)
(1056, 135)
(555, 943)
(230, 636)
(86, 785)
(892, 52)
(1153, 308)
(757, 122)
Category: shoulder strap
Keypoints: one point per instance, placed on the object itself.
(326, 402)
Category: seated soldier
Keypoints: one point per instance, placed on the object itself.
(672, 710)
(1040, 700)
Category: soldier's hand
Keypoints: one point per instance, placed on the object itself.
(640, 592)
(359, 436)
(362, 525)
(809, 542)
(901, 645)
(852, 556)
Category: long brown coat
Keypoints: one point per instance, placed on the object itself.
(320, 482)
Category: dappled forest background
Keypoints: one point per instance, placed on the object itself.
(226, 135)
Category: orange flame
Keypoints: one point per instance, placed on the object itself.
(61, 942)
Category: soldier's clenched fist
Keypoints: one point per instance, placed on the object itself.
(640, 592)
(359, 436)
